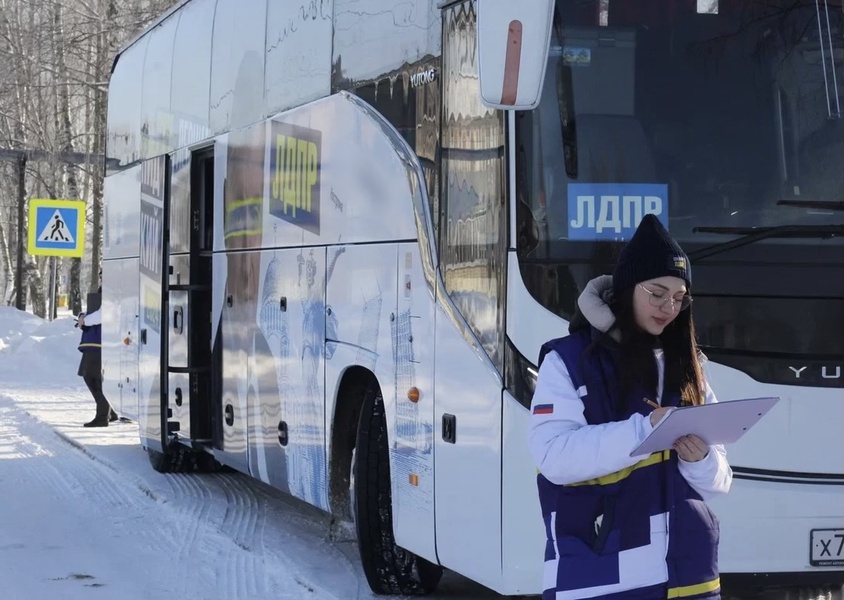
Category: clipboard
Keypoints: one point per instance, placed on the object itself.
(719, 423)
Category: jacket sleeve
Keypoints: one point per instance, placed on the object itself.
(94, 318)
(564, 447)
(712, 475)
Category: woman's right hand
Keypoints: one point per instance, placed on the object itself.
(658, 413)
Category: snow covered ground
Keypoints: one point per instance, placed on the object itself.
(84, 516)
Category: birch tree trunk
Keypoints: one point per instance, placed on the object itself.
(8, 269)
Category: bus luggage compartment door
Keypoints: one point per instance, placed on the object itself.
(178, 334)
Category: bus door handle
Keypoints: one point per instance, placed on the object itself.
(178, 320)
(450, 429)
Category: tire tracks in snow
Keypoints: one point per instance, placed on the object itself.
(191, 517)
(241, 523)
(291, 533)
(198, 515)
(264, 543)
(86, 479)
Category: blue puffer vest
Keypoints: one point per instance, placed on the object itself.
(609, 531)
(92, 338)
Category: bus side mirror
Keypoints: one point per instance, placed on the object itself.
(513, 41)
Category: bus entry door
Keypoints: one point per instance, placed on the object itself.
(153, 404)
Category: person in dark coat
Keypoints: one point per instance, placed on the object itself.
(90, 366)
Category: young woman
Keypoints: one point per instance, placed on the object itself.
(624, 527)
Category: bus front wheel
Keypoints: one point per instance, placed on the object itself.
(389, 569)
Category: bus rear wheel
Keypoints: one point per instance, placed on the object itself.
(389, 569)
(176, 459)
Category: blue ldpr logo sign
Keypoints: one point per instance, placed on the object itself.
(56, 228)
(613, 211)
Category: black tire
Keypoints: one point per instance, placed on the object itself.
(205, 463)
(177, 459)
(389, 569)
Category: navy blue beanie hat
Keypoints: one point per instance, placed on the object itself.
(649, 254)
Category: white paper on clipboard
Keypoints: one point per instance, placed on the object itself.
(719, 423)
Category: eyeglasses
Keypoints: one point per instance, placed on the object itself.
(660, 300)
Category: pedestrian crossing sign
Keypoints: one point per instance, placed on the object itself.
(56, 227)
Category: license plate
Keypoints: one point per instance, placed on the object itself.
(826, 548)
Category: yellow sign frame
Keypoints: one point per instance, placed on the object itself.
(37, 247)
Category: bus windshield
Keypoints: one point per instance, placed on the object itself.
(723, 117)
(713, 114)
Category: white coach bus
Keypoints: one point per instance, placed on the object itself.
(338, 232)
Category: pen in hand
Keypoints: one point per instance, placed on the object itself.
(657, 413)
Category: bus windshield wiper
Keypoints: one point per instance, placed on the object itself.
(817, 204)
(750, 235)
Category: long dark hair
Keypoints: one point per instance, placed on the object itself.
(683, 374)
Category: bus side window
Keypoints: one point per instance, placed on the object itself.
(410, 101)
(473, 226)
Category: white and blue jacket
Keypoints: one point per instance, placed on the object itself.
(92, 332)
(618, 527)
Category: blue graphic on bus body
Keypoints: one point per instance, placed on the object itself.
(152, 241)
(612, 211)
(151, 263)
(56, 227)
(295, 154)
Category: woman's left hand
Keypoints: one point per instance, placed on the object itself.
(691, 448)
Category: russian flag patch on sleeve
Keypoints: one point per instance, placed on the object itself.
(543, 409)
